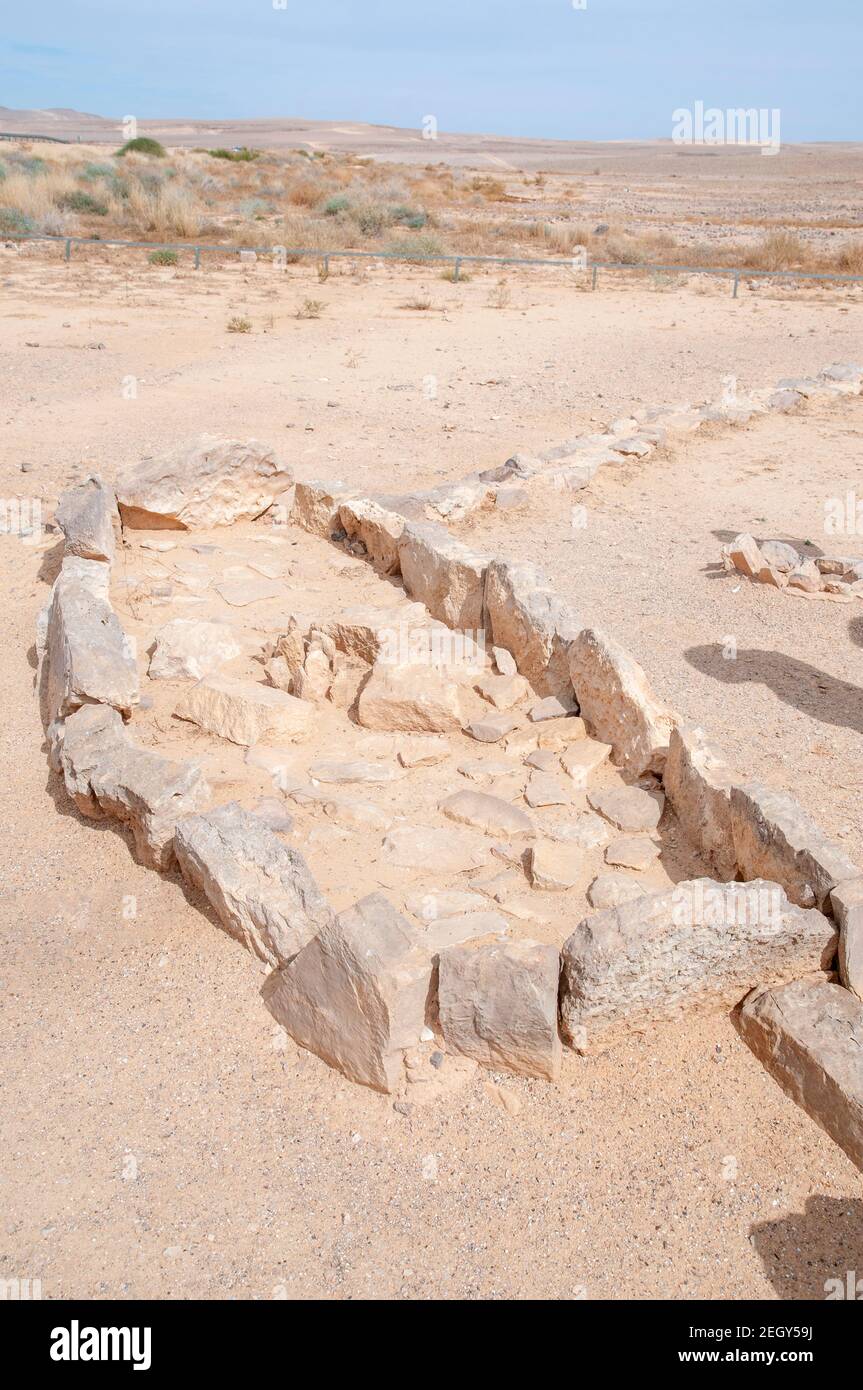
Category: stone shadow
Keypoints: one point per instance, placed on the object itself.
(815, 693)
(802, 1252)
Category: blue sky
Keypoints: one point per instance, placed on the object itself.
(614, 70)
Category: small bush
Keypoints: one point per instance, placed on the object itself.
(241, 156)
(164, 257)
(79, 201)
(418, 304)
(143, 145)
(237, 324)
(849, 261)
(305, 193)
(777, 251)
(30, 164)
(2, 172)
(12, 220)
(371, 219)
(450, 275)
(310, 309)
(97, 171)
(409, 217)
(333, 206)
(416, 248)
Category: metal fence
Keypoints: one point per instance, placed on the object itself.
(294, 253)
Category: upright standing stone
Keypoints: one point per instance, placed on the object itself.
(498, 1005)
(617, 703)
(809, 1036)
(357, 994)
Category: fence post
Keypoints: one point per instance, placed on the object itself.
(736, 283)
(457, 268)
(68, 248)
(595, 269)
(197, 258)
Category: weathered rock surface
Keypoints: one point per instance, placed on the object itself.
(379, 530)
(583, 757)
(699, 945)
(503, 691)
(443, 574)
(631, 809)
(493, 727)
(188, 650)
(369, 632)
(414, 698)
(632, 852)
(89, 658)
(545, 790)
(780, 556)
(209, 481)
(555, 868)
(809, 1036)
(316, 505)
(444, 902)
(697, 781)
(491, 814)
(261, 889)
(463, 926)
(498, 1004)
(86, 516)
(612, 890)
(846, 900)
(357, 994)
(108, 776)
(423, 752)
(358, 770)
(775, 838)
(528, 619)
(617, 704)
(435, 848)
(245, 712)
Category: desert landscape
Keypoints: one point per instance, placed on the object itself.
(389, 653)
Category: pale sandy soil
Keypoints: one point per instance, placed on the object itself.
(157, 1139)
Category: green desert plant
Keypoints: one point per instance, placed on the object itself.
(243, 155)
(142, 144)
(164, 257)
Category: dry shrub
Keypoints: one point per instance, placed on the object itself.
(849, 260)
(777, 251)
(305, 193)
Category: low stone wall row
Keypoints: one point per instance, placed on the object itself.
(569, 466)
(746, 831)
(363, 987)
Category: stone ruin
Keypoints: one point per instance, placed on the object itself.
(783, 566)
(509, 844)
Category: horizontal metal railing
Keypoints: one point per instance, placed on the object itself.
(456, 260)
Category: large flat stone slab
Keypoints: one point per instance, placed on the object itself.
(498, 1004)
(617, 703)
(775, 838)
(809, 1036)
(108, 776)
(261, 889)
(528, 619)
(697, 781)
(208, 481)
(358, 994)
(445, 575)
(89, 657)
(700, 945)
(244, 712)
(87, 515)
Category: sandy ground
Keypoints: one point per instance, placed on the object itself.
(158, 1137)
